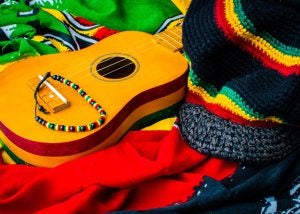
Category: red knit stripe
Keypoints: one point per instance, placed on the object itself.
(256, 53)
(219, 111)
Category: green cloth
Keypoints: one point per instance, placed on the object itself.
(142, 15)
(26, 29)
(17, 28)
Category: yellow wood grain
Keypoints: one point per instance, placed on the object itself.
(156, 65)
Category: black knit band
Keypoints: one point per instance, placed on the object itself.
(212, 135)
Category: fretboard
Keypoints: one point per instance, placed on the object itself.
(171, 38)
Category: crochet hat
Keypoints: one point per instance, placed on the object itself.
(243, 100)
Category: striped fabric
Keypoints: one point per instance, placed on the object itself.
(245, 58)
(243, 100)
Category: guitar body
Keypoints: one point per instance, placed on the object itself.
(154, 81)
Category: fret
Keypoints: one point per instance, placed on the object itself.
(171, 38)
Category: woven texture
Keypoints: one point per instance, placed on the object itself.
(221, 138)
(245, 67)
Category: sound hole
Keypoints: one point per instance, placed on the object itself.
(115, 67)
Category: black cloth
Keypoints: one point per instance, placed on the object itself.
(273, 188)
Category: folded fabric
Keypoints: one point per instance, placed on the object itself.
(33, 28)
(147, 169)
(243, 88)
(274, 188)
(144, 15)
(182, 5)
(28, 31)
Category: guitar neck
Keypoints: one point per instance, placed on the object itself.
(171, 38)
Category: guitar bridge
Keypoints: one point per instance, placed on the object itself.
(48, 96)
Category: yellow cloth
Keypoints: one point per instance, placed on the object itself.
(165, 124)
(182, 5)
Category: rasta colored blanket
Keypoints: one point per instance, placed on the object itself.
(147, 169)
(33, 28)
(150, 171)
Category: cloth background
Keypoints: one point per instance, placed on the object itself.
(151, 170)
(147, 169)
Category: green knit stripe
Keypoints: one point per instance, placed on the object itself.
(238, 100)
(247, 23)
(196, 81)
(226, 91)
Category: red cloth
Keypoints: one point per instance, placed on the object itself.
(147, 169)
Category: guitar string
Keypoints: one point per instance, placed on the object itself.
(170, 30)
(179, 35)
(72, 74)
(87, 73)
(80, 127)
(170, 43)
(137, 44)
(66, 93)
(172, 38)
(161, 37)
(139, 47)
(145, 44)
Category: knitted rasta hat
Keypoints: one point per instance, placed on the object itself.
(243, 100)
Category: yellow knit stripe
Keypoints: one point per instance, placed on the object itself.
(226, 103)
(256, 41)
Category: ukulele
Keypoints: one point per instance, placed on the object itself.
(58, 107)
